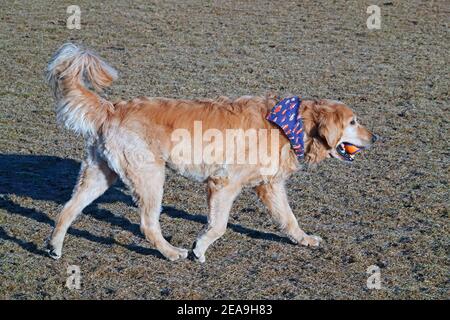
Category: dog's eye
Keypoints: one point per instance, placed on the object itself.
(353, 122)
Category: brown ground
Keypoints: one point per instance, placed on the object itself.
(389, 208)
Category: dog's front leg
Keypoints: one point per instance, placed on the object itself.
(274, 197)
(221, 195)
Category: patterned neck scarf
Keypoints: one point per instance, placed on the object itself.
(286, 115)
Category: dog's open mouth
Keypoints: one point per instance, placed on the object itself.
(347, 151)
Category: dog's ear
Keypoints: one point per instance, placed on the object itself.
(330, 126)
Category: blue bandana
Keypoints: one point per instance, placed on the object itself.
(287, 116)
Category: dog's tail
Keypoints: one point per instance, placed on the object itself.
(69, 73)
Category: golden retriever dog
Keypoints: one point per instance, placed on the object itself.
(136, 140)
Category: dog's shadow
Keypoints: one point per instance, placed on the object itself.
(49, 178)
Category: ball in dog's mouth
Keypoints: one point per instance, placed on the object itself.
(347, 150)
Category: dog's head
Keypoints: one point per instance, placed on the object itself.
(330, 125)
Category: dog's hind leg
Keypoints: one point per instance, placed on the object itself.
(274, 197)
(221, 195)
(147, 183)
(94, 179)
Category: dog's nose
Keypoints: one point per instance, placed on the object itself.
(374, 138)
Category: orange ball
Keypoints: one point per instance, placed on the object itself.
(351, 149)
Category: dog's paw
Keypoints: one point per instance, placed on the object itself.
(52, 251)
(311, 241)
(198, 256)
(175, 254)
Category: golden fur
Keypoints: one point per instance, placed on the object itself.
(132, 140)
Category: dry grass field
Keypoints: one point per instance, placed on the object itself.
(389, 208)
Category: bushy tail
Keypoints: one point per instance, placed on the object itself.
(69, 73)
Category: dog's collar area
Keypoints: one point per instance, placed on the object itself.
(287, 116)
